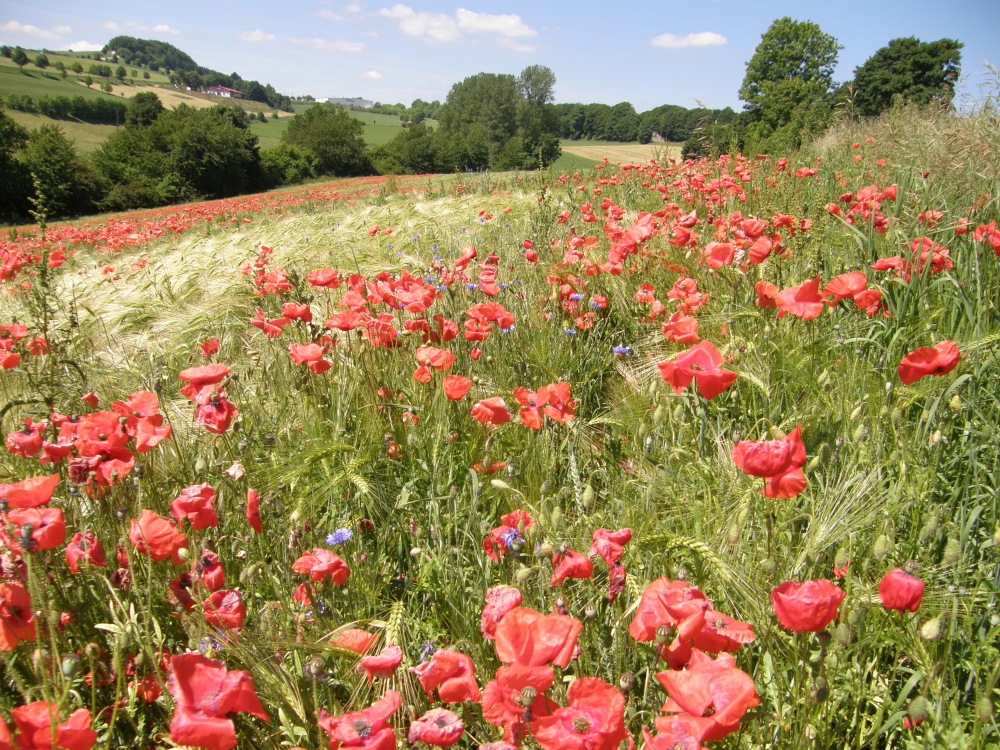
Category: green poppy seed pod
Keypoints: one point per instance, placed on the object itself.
(856, 414)
(70, 665)
(984, 709)
(952, 552)
(955, 404)
(842, 635)
(662, 635)
(821, 692)
(920, 709)
(589, 611)
(527, 696)
(931, 630)
(734, 534)
(588, 496)
(881, 547)
(27, 531)
(625, 682)
(200, 465)
(659, 415)
(911, 567)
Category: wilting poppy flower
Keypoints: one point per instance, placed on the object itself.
(593, 720)
(900, 591)
(355, 639)
(499, 601)
(87, 547)
(713, 691)
(609, 544)
(34, 723)
(29, 493)
(253, 511)
(571, 565)
(216, 415)
(157, 537)
(383, 665)
(700, 364)
(803, 301)
(491, 411)
(439, 727)
(210, 572)
(225, 609)
(452, 674)
(44, 528)
(197, 504)
(209, 347)
(938, 360)
(322, 563)
(368, 729)
(532, 639)
(202, 381)
(17, 619)
(456, 386)
(780, 462)
(806, 607)
(205, 693)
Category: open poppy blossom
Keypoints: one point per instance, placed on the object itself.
(157, 537)
(491, 411)
(452, 674)
(205, 692)
(807, 607)
(803, 301)
(900, 591)
(504, 698)
(368, 729)
(225, 609)
(321, 564)
(29, 493)
(40, 528)
(217, 414)
(499, 601)
(438, 359)
(571, 564)
(17, 618)
(846, 286)
(438, 727)
(456, 386)
(381, 666)
(594, 719)
(699, 364)
(355, 639)
(85, 547)
(532, 639)
(35, 721)
(938, 360)
(197, 504)
(780, 462)
(310, 355)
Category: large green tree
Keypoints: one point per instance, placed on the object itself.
(910, 69)
(16, 183)
(788, 86)
(63, 184)
(332, 136)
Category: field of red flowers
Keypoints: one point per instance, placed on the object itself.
(681, 455)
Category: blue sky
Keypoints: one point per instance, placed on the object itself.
(647, 52)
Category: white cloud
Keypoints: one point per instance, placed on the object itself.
(162, 28)
(110, 25)
(84, 46)
(701, 39)
(329, 15)
(516, 46)
(373, 75)
(352, 8)
(441, 27)
(26, 29)
(326, 45)
(257, 36)
(140, 28)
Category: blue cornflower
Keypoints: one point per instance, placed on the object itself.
(576, 297)
(471, 286)
(340, 536)
(511, 537)
(569, 331)
(621, 351)
(507, 330)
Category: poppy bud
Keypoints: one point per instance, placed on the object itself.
(860, 433)
(881, 547)
(842, 635)
(952, 552)
(588, 496)
(931, 630)
(821, 692)
(200, 465)
(856, 414)
(314, 668)
(524, 575)
(70, 665)
(919, 709)
(996, 536)
(984, 709)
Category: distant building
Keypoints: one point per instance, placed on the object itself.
(354, 101)
(223, 91)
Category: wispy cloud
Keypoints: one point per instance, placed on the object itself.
(701, 39)
(328, 15)
(352, 8)
(442, 27)
(373, 75)
(257, 36)
(162, 28)
(26, 29)
(329, 45)
(138, 27)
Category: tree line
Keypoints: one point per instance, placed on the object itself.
(96, 110)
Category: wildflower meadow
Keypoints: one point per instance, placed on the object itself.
(676, 454)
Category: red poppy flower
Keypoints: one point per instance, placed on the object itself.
(700, 364)
(719, 254)
(491, 411)
(45, 527)
(532, 639)
(556, 402)
(715, 692)
(846, 286)
(202, 381)
(324, 278)
(665, 602)
(310, 355)
(609, 544)
(197, 504)
(499, 601)
(439, 727)
(205, 693)
(803, 301)
(320, 564)
(452, 674)
(17, 619)
(767, 294)
(593, 720)
(26, 442)
(900, 591)
(29, 493)
(383, 665)
(780, 462)
(34, 723)
(503, 698)
(253, 511)
(439, 359)
(157, 537)
(294, 311)
(806, 607)
(355, 639)
(422, 375)
(681, 329)
(87, 547)
(938, 360)
(209, 571)
(456, 386)
(673, 732)
(209, 347)
(216, 415)
(368, 729)
(225, 609)
(571, 565)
